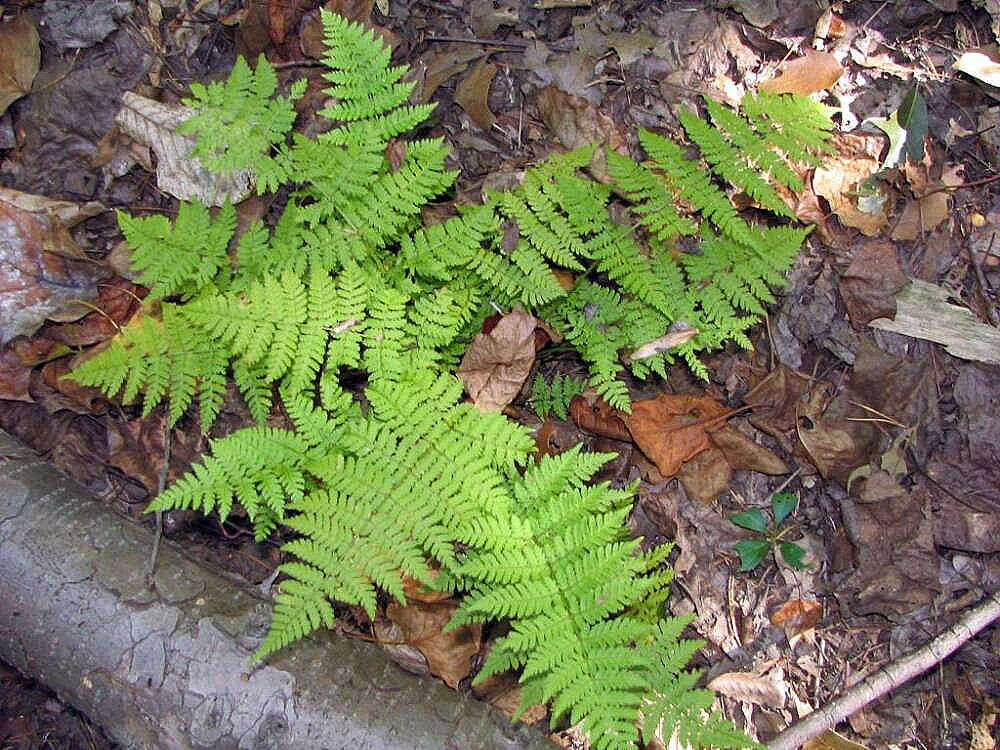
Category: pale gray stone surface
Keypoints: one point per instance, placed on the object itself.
(169, 667)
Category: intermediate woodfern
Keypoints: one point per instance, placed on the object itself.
(408, 480)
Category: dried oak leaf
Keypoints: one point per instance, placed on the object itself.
(473, 92)
(599, 418)
(497, 363)
(673, 428)
(816, 71)
(749, 688)
(449, 655)
(840, 178)
(20, 57)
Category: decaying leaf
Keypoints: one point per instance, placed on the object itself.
(841, 181)
(983, 68)
(497, 363)
(472, 94)
(742, 453)
(869, 285)
(749, 688)
(20, 57)
(449, 655)
(155, 125)
(576, 122)
(815, 71)
(42, 273)
(797, 616)
(598, 417)
(673, 428)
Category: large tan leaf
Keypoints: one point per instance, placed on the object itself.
(673, 428)
(473, 92)
(816, 71)
(155, 125)
(449, 655)
(497, 363)
(841, 181)
(749, 688)
(20, 57)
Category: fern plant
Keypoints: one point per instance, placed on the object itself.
(239, 122)
(407, 480)
(553, 397)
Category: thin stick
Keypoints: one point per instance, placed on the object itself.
(160, 485)
(889, 677)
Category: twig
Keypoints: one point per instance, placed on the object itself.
(984, 287)
(889, 677)
(160, 485)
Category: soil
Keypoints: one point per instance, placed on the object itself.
(902, 546)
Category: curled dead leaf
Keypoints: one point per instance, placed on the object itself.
(749, 688)
(449, 655)
(598, 417)
(498, 361)
(673, 428)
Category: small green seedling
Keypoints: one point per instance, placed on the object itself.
(753, 551)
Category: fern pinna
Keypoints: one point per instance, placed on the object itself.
(408, 480)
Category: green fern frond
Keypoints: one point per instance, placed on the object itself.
(370, 93)
(262, 468)
(164, 359)
(239, 121)
(179, 258)
(730, 162)
(797, 125)
(554, 397)
(755, 147)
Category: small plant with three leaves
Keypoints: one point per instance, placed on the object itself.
(771, 537)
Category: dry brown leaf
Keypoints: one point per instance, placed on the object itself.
(576, 122)
(797, 616)
(20, 57)
(449, 655)
(598, 417)
(869, 285)
(931, 206)
(816, 71)
(673, 428)
(742, 453)
(839, 178)
(473, 93)
(42, 279)
(706, 476)
(749, 688)
(497, 363)
(15, 377)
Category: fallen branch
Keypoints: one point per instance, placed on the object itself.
(889, 677)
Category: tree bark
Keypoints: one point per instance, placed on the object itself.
(169, 667)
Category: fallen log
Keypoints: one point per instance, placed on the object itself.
(168, 667)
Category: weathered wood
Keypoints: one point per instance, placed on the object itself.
(169, 668)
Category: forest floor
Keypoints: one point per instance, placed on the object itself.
(890, 441)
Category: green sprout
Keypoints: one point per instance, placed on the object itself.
(753, 551)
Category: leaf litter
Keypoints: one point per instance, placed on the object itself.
(889, 441)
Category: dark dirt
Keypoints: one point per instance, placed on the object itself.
(33, 718)
(901, 552)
